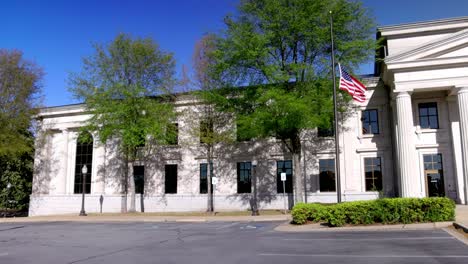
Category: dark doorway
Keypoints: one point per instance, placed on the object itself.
(433, 171)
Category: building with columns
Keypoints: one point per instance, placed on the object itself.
(409, 139)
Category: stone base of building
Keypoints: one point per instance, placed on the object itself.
(69, 204)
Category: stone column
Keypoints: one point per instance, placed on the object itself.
(62, 182)
(462, 98)
(407, 158)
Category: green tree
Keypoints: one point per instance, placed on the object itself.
(211, 127)
(20, 88)
(126, 87)
(278, 51)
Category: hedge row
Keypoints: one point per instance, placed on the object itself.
(386, 211)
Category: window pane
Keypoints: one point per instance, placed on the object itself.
(244, 177)
(373, 115)
(422, 111)
(84, 156)
(432, 111)
(170, 178)
(434, 124)
(327, 175)
(139, 178)
(282, 166)
(424, 122)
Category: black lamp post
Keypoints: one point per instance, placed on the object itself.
(254, 183)
(84, 170)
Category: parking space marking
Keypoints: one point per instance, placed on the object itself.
(359, 256)
(226, 226)
(367, 239)
(3, 254)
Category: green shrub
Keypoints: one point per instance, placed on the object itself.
(386, 211)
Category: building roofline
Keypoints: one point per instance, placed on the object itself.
(424, 26)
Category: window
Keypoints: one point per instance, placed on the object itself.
(170, 181)
(139, 178)
(428, 116)
(433, 171)
(327, 175)
(204, 178)
(206, 131)
(373, 170)
(84, 156)
(244, 177)
(284, 166)
(173, 134)
(370, 122)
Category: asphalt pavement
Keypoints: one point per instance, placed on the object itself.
(218, 242)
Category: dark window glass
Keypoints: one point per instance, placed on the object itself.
(373, 174)
(139, 178)
(170, 178)
(327, 175)
(206, 131)
(433, 170)
(173, 134)
(204, 178)
(284, 166)
(428, 116)
(84, 156)
(370, 122)
(244, 177)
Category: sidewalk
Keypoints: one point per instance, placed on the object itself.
(144, 218)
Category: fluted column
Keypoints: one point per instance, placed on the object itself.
(462, 98)
(62, 183)
(407, 158)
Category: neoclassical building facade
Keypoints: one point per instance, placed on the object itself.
(409, 139)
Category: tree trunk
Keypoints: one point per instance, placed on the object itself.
(298, 179)
(125, 188)
(131, 185)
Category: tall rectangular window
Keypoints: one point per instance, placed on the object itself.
(173, 134)
(370, 122)
(244, 179)
(204, 178)
(170, 179)
(434, 173)
(284, 166)
(428, 115)
(84, 157)
(373, 174)
(139, 178)
(327, 175)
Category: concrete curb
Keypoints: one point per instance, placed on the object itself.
(461, 226)
(318, 228)
(191, 219)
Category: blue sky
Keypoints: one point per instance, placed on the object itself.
(57, 34)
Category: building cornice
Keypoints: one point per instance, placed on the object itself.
(420, 27)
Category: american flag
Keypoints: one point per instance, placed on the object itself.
(355, 88)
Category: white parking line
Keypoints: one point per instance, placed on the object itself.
(367, 239)
(359, 256)
(226, 226)
(3, 254)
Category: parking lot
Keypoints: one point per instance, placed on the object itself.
(218, 242)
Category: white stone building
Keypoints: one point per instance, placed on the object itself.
(409, 139)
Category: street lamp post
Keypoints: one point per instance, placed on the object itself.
(84, 170)
(254, 192)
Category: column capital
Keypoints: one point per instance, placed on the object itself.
(462, 89)
(400, 94)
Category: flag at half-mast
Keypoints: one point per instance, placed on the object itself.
(355, 88)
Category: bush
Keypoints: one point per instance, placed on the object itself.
(386, 211)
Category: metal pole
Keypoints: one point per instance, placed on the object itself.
(82, 212)
(284, 197)
(337, 145)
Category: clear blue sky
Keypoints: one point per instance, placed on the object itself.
(57, 34)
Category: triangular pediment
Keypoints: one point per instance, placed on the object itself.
(453, 46)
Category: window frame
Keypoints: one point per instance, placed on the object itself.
(428, 116)
(170, 189)
(201, 191)
(320, 174)
(245, 187)
(289, 184)
(369, 111)
(380, 165)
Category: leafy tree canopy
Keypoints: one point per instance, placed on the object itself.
(20, 88)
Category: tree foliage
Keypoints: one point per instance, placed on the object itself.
(279, 51)
(126, 87)
(20, 89)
